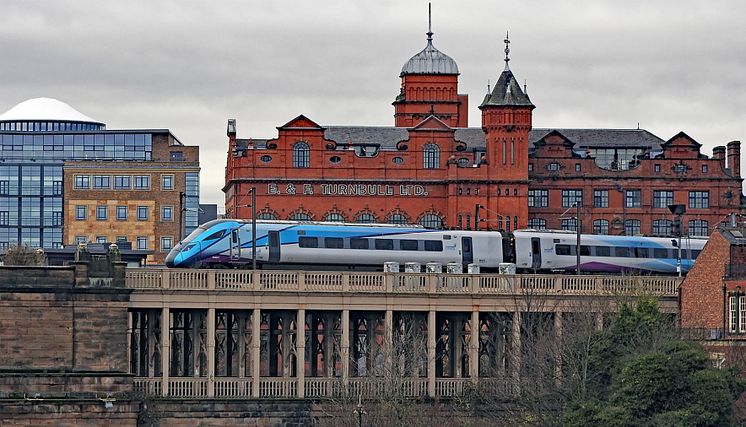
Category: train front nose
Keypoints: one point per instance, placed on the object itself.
(174, 257)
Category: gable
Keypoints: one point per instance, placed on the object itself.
(432, 123)
(301, 122)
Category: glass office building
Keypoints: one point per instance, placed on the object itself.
(36, 138)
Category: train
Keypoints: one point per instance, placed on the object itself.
(333, 246)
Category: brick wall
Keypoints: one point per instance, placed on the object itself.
(702, 291)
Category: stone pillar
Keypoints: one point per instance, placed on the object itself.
(388, 323)
(211, 351)
(474, 344)
(165, 348)
(345, 350)
(431, 353)
(300, 352)
(256, 338)
(516, 352)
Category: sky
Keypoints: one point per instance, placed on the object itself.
(188, 66)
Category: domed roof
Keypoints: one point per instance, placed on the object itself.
(430, 61)
(41, 109)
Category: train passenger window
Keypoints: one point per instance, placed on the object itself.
(622, 252)
(356, 243)
(563, 249)
(585, 250)
(408, 245)
(695, 253)
(433, 245)
(603, 251)
(385, 244)
(216, 235)
(641, 252)
(333, 242)
(660, 253)
(308, 242)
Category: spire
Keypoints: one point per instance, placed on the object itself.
(507, 50)
(429, 23)
(488, 87)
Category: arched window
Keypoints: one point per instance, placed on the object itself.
(537, 223)
(300, 216)
(334, 217)
(396, 218)
(432, 156)
(266, 215)
(662, 227)
(600, 226)
(301, 155)
(699, 227)
(570, 224)
(632, 227)
(365, 218)
(431, 221)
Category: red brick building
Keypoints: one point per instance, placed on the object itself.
(431, 168)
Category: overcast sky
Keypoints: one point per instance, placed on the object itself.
(190, 65)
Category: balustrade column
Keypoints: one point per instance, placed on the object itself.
(165, 348)
(345, 350)
(474, 344)
(516, 352)
(256, 338)
(300, 352)
(211, 351)
(431, 353)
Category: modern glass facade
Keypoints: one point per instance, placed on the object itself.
(191, 204)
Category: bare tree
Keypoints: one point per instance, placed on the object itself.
(22, 254)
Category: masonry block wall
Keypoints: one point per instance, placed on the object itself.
(702, 292)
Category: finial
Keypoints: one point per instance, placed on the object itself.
(525, 84)
(507, 50)
(488, 87)
(429, 22)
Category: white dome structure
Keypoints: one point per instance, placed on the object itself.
(45, 109)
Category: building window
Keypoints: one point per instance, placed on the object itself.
(600, 199)
(662, 198)
(397, 160)
(632, 227)
(167, 213)
(553, 167)
(537, 223)
(570, 197)
(577, 167)
(142, 213)
(662, 227)
(737, 313)
(301, 155)
(699, 227)
(432, 156)
(167, 243)
(101, 182)
(80, 239)
(101, 239)
(121, 213)
(397, 218)
(657, 168)
(4, 217)
(81, 212)
(600, 226)
(122, 182)
(334, 217)
(705, 169)
(177, 156)
(530, 167)
(699, 199)
(300, 216)
(121, 239)
(142, 182)
(633, 198)
(365, 218)
(142, 243)
(82, 181)
(616, 158)
(538, 198)
(167, 182)
(266, 216)
(570, 224)
(434, 221)
(102, 213)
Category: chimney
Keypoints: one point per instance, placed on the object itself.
(734, 158)
(719, 154)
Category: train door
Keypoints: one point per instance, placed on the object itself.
(274, 246)
(535, 253)
(467, 253)
(235, 244)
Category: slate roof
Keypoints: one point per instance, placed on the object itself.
(429, 61)
(507, 92)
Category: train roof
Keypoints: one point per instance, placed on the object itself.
(328, 223)
(574, 233)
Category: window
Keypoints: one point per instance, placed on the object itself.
(662, 227)
(553, 167)
(397, 160)
(570, 224)
(408, 245)
(177, 156)
(538, 198)
(335, 159)
(705, 169)
(308, 242)
(699, 199)
(142, 213)
(537, 223)
(737, 313)
(101, 182)
(167, 243)
(266, 158)
(603, 251)
(121, 239)
(167, 182)
(600, 198)
(570, 197)
(365, 218)
(80, 239)
(384, 244)
(301, 155)
(633, 198)
(657, 168)
(622, 252)
(142, 182)
(122, 182)
(577, 167)
(82, 181)
(334, 217)
(431, 154)
(564, 250)
(662, 198)
(142, 243)
(600, 226)
(357, 243)
(81, 212)
(102, 213)
(616, 158)
(699, 227)
(632, 227)
(300, 216)
(680, 168)
(433, 245)
(167, 213)
(334, 242)
(434, 221)
(121, 213)
(266, 216)
(101, 239)
(530, 167)
(396, 218)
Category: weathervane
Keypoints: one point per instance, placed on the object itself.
(429, 22)
(507, 49)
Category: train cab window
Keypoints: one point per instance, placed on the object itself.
(433, 245)
(641, 252)
(356, 243)
(216, 235)
(660, 253)
(308, 242)
(603, 251)
(622, 252)
(333, 242)
(408, 245)
(384, 244)
(585, 250)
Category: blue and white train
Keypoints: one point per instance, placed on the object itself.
(308, 245)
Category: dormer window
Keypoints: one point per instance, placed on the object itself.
(553, 167)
